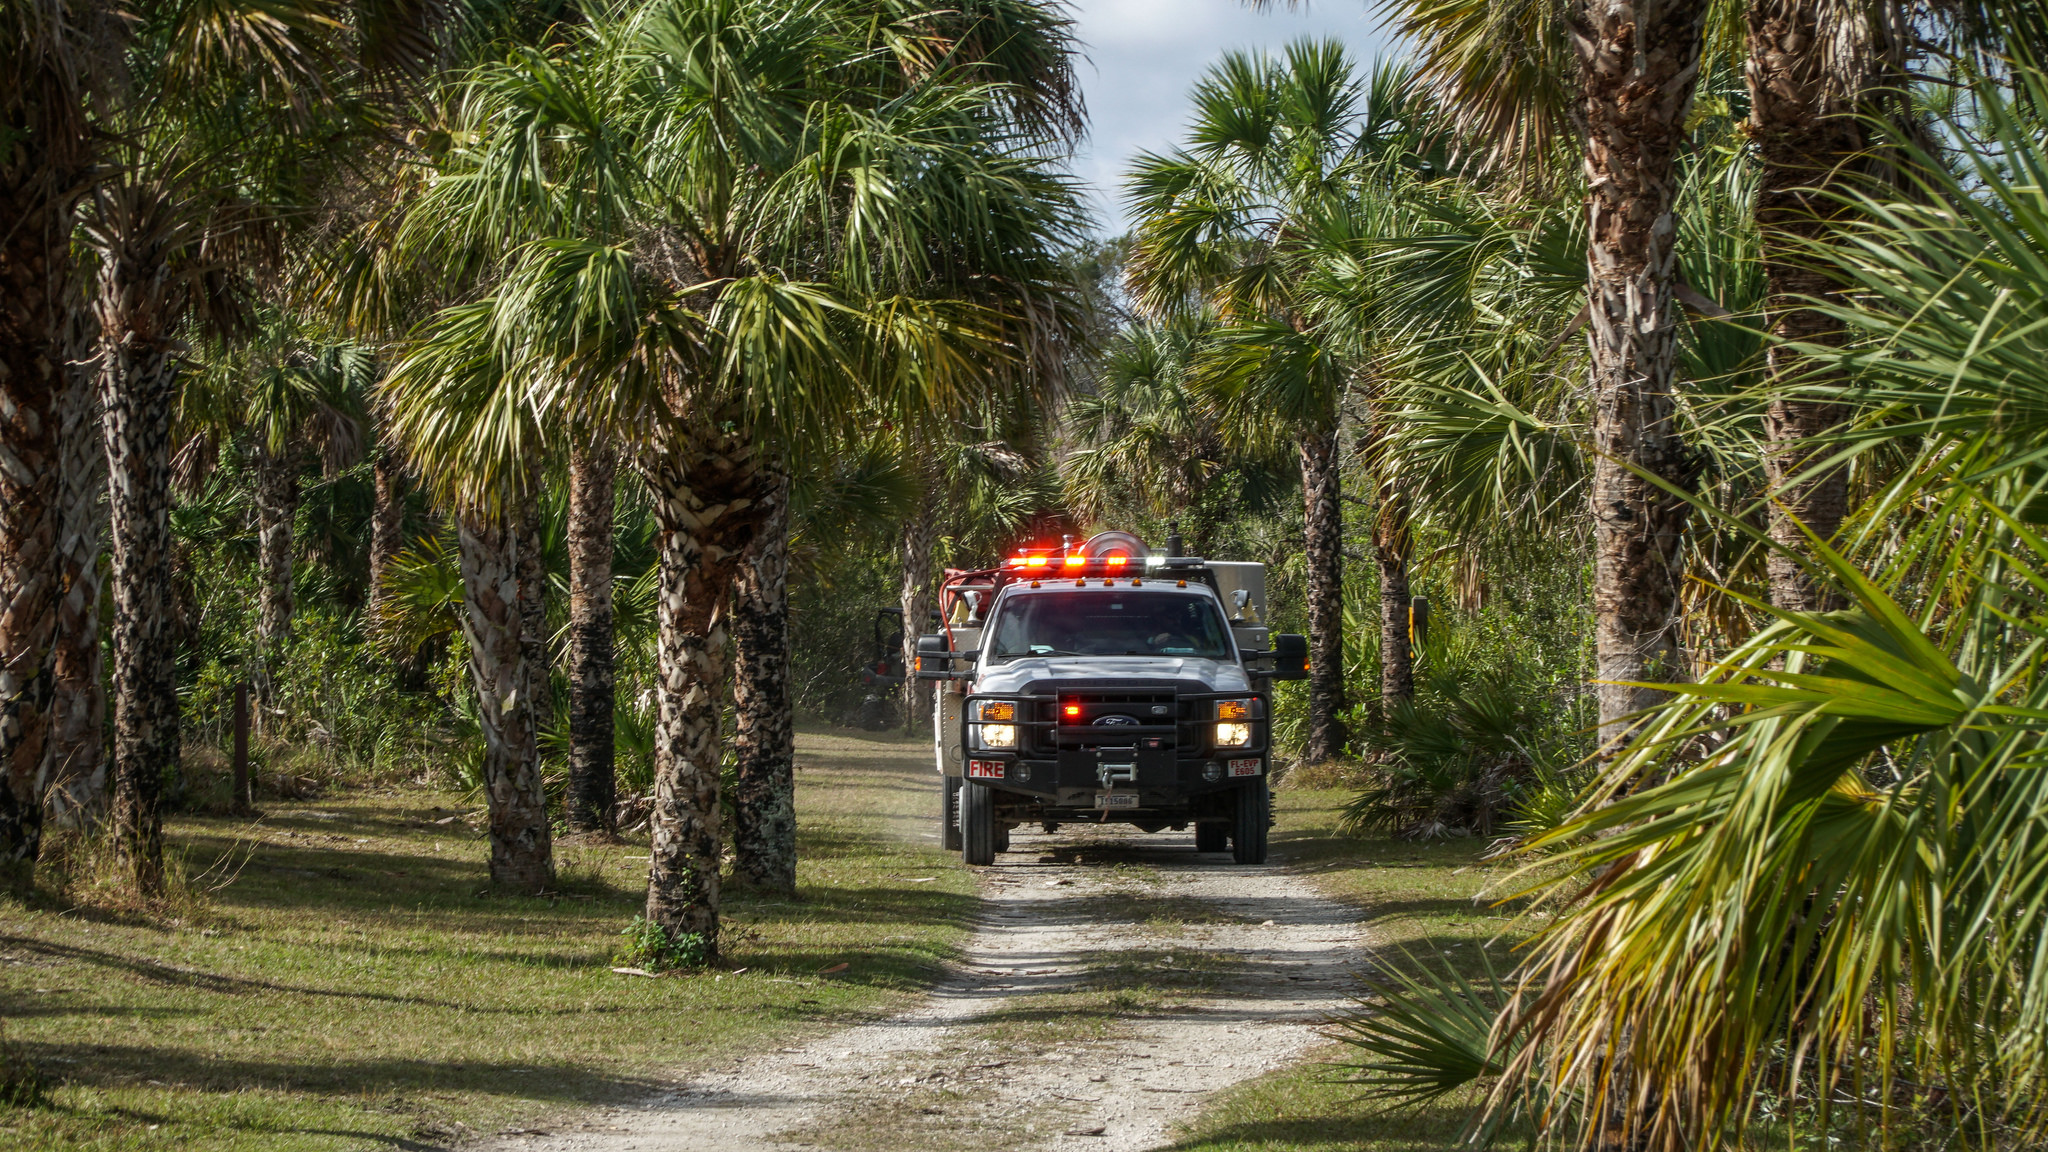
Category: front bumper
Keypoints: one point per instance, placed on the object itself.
(1168, 764)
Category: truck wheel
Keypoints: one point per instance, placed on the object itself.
(1248, 831)
(977, 824)
(949, 813)
(1214, 837)
(1002, 837)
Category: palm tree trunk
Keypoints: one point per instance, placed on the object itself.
(764, 742)
(387, 527)
(277, 503)
(706, 501)
(139, 312)
(493, 621)
(1323, 549)
(592, 781)
(533, 617)
(43, 166)
(1804, 96)
(78, 766)
(1390, 547)
(32, 387)
(916, 600)
(1637, 68)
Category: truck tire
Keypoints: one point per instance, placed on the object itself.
(1248, 831)
(949, 813)
(977, 824)
(1212, 837)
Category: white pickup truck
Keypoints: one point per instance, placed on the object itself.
(1106, 683)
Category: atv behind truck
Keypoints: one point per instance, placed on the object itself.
(1106, 684)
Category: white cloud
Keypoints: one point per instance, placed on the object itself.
(1142, 57)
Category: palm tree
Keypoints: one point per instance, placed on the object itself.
(764, 737)
(149, 245)
(387, 524)
(1300, 168)
(77, 774)
(54, 59)
(301, 395)
(438, 401)
(1497, 70)
(229, 119)
(1272, 142)
(593, 784)
(735, 126)
(1829, 847)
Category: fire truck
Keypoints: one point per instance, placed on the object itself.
(1102, 683)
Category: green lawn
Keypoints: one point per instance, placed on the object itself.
(1417, 901)
(356, 985)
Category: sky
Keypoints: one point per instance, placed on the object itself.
(1142, 56)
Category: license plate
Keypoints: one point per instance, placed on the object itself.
(1116, 799)
(1244, 767)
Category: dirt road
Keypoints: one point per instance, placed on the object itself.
(1114, 981)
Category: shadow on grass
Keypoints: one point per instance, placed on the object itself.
(1342, 1130)
(124, 1066)
(168, 975)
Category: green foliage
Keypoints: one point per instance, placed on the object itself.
(1495, 737)
(1453, 762)
(1429, 1035)
(654, 948)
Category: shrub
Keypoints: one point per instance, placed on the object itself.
(652, 947)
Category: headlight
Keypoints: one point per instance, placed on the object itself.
(1233, 709)
(995, 710)
(998, 735)
(1233, 735)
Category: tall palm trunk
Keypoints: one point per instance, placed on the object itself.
(1809, 66)
(139, 306)
(916, 599)
(495, 624)
(764, 742)
(533, 617)
(1390, 545)
(1323, 550)
(77, 754)
(47, 151)
(32, 387)
(592, 780)
(277, 503)
(387, 527)
(1637, 68)
(706, 502)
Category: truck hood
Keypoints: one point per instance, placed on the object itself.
(1218, 675)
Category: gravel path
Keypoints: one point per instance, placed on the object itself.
(1115, 981)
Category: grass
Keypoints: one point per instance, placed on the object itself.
(1418, 901)
(356, 985)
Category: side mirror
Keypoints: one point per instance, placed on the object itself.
(1290, 657)
(935, 658)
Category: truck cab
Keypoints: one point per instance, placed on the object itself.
(1106, 684)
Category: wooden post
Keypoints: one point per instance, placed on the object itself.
(242, 798)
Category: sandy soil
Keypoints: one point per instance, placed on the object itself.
(1115, 980)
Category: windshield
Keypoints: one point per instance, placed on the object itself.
(1110, 624)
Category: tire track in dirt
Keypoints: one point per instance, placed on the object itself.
(1115, 980)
